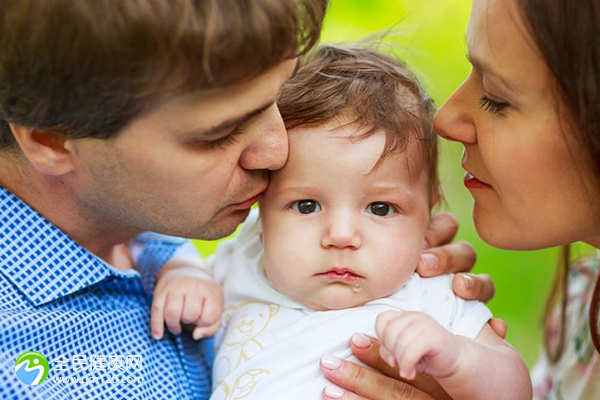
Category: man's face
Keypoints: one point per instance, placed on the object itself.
(191, 167)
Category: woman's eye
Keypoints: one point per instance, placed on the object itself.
(306, 206)
(490, 105)
(380, 209)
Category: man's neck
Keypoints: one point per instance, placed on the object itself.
(51, 198)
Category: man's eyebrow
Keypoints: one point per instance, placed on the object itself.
(230, 123)
(483, 67)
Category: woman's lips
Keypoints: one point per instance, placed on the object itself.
(473, 183)
(344, 275)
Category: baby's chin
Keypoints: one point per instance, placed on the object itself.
(339, 297)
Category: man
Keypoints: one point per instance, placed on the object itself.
(117, 118)
(120, 117)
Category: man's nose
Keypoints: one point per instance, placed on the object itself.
(268, 147)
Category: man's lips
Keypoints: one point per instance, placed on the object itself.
(341, 274)
(246, 204)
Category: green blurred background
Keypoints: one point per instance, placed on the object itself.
(431, 38)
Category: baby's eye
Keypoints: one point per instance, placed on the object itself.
(306, 206)
(380, 209)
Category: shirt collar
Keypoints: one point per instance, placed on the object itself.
(41, 260)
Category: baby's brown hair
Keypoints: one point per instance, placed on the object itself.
(376, 89)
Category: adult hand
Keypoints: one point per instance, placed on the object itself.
(442, 256)
(362, 383)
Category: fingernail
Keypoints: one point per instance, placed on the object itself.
(430, 261)
(425, 245)
(197, 335)
(469, 282)
(334, 392)
(390, 360)
(156, 336)
(361, 341)
(331, 362)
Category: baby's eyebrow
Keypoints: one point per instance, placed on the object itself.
(297, 189)
(405, 194)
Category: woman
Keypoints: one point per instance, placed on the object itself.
(528, 116)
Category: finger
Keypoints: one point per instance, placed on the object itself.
(451, 258)
(396, 329)
(205, 331)
(157, 321)
(473, 287)
(211, 313)
(406, 352)
(383, 319)
(367, 383)
(192, 309)
(335, 392)
(499, 326)
(366, 349)
(173, 311)
(412, 354)
(442, 229)
(387, 356)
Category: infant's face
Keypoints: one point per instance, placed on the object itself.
(336, 232)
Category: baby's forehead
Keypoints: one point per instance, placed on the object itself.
(358, 151)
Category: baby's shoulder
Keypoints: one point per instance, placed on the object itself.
(437, 286)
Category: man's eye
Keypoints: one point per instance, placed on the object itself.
(306, 206)
(222, 142)
(380, 209)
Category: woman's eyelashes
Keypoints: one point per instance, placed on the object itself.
(491, 106)
(309, 206)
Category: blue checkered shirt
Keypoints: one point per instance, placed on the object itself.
(90, 320)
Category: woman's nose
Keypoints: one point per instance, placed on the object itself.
(454, 120)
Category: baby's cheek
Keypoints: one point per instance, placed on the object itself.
(394, 277)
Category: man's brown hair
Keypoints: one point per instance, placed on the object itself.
(88, 67)
(375, 89)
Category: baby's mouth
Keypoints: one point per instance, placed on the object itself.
(341, 274)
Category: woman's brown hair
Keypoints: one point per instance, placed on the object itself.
(567, 34)
(88, 67)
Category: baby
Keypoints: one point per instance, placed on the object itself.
(335, 248)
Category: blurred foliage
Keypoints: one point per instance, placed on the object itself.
(430, 36)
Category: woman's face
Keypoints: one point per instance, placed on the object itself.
(524, 167)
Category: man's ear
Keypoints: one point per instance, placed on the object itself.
(46, 150)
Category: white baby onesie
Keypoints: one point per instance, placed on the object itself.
(269, 346)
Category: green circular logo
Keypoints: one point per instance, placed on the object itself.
(32, 368)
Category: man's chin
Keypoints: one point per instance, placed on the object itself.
(221, 227)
